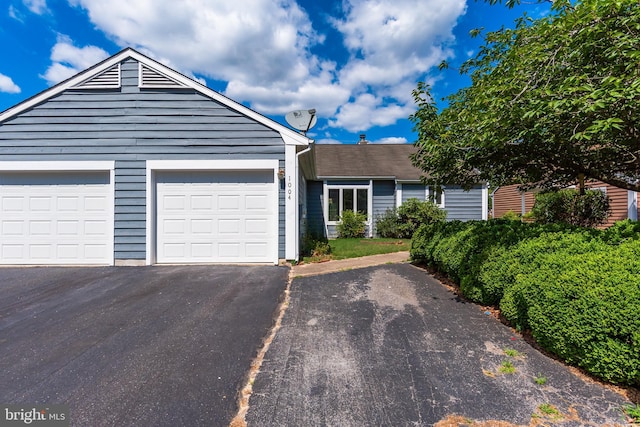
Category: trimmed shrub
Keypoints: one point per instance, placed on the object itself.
(459, 249)
(352, 224)
(570, 207)
(622, 231)
(581, 302)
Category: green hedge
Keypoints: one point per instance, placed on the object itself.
(459, 249)
(577, 290)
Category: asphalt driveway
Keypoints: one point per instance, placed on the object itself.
(391, 346)
(134, 346)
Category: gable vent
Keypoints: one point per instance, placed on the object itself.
(151, 78)
(108, 79)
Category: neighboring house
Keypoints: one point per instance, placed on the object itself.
(372, 178)
(624, 203)
(131, 162)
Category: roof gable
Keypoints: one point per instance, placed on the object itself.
(366, 161)
(106, 74)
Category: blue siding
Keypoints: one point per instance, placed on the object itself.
(315, 212)
(384, 197)
(413, 191)
(131, 126)
(130, 209)
(463, 205)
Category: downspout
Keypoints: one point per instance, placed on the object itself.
(493, 203)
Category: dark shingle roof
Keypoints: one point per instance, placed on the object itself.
(366, 161)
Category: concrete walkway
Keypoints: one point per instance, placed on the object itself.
(348, 264)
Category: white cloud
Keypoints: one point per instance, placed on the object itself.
(262, 48)
(390, 140)
(367, 111)
(7, 85)
(393, 44)
(328, 141)
(15, 14)
(36, 6)
(68, 60)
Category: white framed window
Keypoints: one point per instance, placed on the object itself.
(340, 198)
(436, 195)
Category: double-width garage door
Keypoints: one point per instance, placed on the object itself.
(216, 216)
(56, 218)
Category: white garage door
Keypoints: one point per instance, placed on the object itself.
(217, 216)
(56, 218)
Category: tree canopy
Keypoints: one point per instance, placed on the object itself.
(551, 101)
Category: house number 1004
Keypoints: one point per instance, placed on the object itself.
(289, 188)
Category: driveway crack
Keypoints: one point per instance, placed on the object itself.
(247, 390)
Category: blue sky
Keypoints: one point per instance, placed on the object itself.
(354, 61)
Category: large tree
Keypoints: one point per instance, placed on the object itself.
(551, 102)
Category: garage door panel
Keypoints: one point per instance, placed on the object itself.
(256, 250)
(228, 216)
(229, 226)
(204, 202)
(202, 227)
(228, 202)
(52, 218)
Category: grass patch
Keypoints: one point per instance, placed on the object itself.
(355, 248)
(549, 411)
(511, 352)
(507, 368)
(633, 412)
(540, 380)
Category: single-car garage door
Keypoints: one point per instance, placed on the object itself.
(217, 216)
(56, 218)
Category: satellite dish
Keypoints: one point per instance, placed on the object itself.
(303, 120)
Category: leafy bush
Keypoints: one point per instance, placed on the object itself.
(510, 216)
(580, 298)
(321, 249)
(312, 243)
(622, 231)
(352, 224)
(387, 224)
(403, 222)
(570, 207)
(413, 213)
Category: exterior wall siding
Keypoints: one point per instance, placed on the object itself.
(315, 211)
(618, 201)
(463, 205)
(130, 209)
(413, 191)
(133, 125)
(505, 199)
(384, 196)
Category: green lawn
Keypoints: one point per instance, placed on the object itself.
(354, 248)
